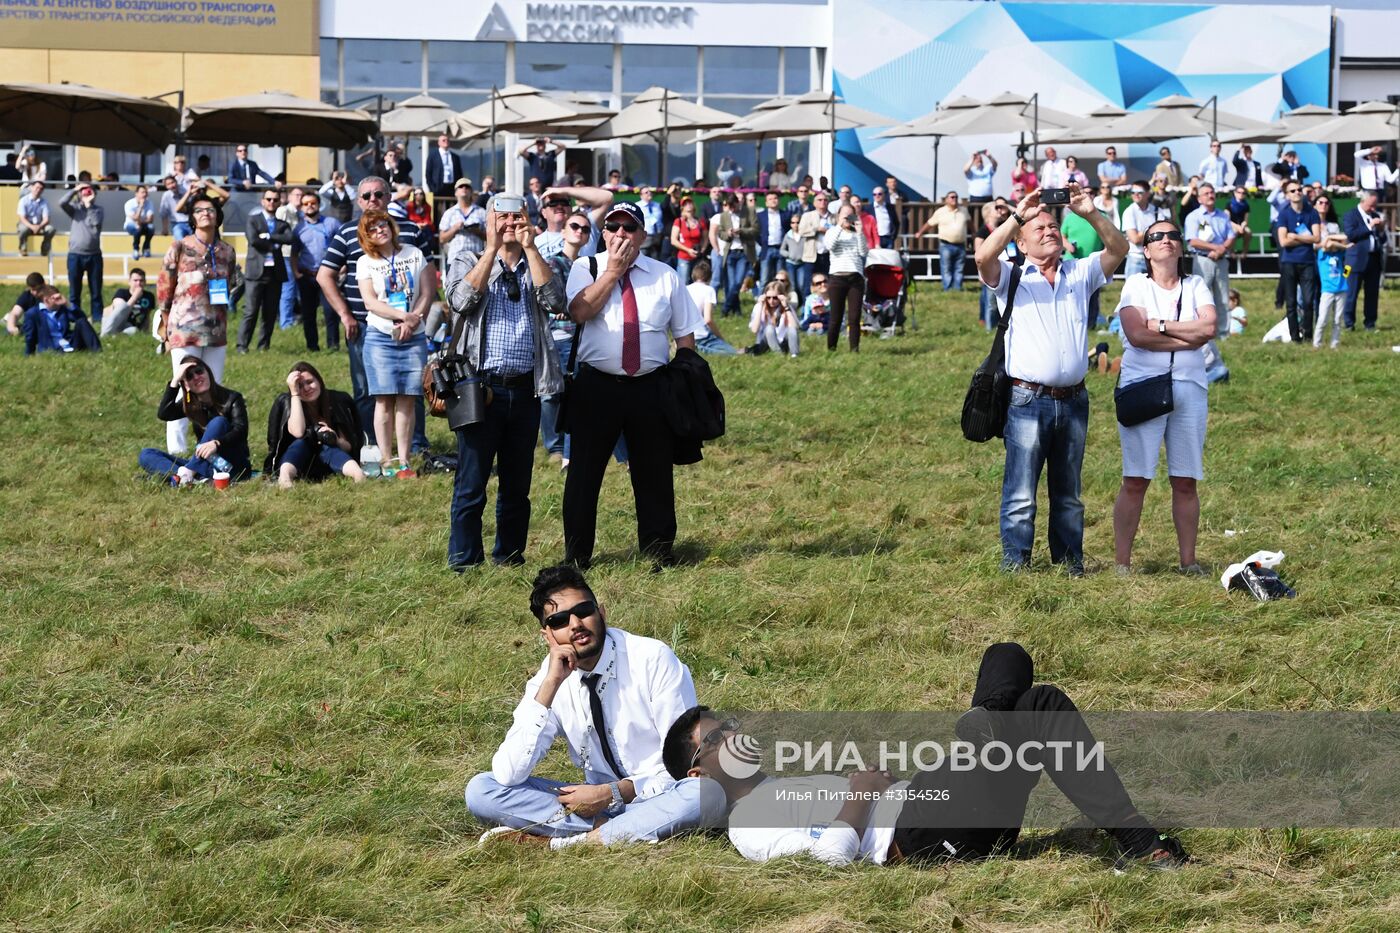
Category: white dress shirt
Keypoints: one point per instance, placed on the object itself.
(664, 309)
(1054, 174)
(644, 688)
(1046, 341)
(1373, 176)
(1213, 170)
(788, 816)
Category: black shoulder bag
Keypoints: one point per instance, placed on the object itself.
(1148, 398)
(570, 371)
(984, 407)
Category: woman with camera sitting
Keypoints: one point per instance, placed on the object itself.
(219, 417)
(312, 432)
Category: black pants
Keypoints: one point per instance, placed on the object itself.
(846, 289)
(600, 407)
(263, 298)
(309, 299)
(997, 799)
(1291, 276)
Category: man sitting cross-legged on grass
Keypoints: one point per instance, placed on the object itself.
(941, 813)
(613, 695)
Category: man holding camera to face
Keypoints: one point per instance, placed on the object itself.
(506, 295)
(626, 308)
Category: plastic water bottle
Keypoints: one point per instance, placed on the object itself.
(221, 465)
(369, 460)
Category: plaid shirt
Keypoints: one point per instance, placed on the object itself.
(510, 331)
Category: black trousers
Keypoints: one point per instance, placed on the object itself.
(1292, 276)
(309, 299)
(600, 407)
(848, 290)
(262, 300)
(927, 829)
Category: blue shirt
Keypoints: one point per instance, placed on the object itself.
(510, 328)
(314, 238)
(1291, 220)
(1331, 273)
(1113, 171)
(652, 212)
(1211, 226)
(1239, 210)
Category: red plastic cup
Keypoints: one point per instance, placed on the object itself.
(221, 480)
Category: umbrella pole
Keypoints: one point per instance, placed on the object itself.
(933, 195)
(665, 138)
(832, 104)
(493, 130)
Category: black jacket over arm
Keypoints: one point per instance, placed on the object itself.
(344, 420)
(233, 410)
(692, 402)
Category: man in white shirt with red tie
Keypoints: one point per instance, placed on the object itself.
(626, 317)
(612, 695)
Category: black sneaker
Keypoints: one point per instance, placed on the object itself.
(1166, 855)
(976, 727)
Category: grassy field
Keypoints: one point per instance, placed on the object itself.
(258, 709)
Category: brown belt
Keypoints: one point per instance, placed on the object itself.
(1055, 392)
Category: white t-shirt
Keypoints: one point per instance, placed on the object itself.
(406, 266)
(702, 293)
(789, 816)
(1135, 218)
(1139, 291)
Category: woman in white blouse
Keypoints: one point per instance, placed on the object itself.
(845, 280)
(397, 296)
(1166, 319)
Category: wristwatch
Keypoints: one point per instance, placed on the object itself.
(618, 804)
(1162, 326)
(1019, 219)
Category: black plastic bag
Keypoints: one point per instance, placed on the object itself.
(1261, 583)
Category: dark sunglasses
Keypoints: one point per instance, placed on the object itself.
(612, 226)
(1161, 235)
(563, 204)
(581, 228)
(557, 620)
(512, 283)
(373, 195)
(196, 371)
(713, 738)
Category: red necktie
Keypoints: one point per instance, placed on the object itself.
(631, 329)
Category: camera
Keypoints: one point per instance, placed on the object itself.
(327, 437)
(1054, 196)
(507, 204)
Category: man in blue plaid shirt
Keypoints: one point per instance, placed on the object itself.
(507, 294)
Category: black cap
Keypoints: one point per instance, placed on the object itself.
(628, 208)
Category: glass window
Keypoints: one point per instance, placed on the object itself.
(381, 63)
(797, 71)
(667, 66)
(466, 64)
(639, 162)
(734, 70)
(461, 100)
(330, 63)
(553, 66)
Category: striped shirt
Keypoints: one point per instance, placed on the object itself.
(510, 328)
(847, 249)
(344, 250)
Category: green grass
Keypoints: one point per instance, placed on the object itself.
(259, 709)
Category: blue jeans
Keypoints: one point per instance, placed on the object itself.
(138, 233)
(91, 265)
(950, 265)
(554, 441)
(987, 308)
(505, 437)
(287, 302)
(688, 804)
(801, 273)
(683, 267)
(159, 463)
(364, 402)
(714, 346)
(887, 241)
(1040, 431)
(770, 260)
(736, 266)
(314, 461)
(181, 229)
(1136, 262)
(716, 271)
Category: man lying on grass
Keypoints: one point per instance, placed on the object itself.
(942, 813)
(612, 695)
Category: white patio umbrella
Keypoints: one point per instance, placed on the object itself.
(808, 114)
(422, 115)
(1292, 125)
(79, 115)
(656, 112)
(1173, 117)
(1368, 122)
(521, 108)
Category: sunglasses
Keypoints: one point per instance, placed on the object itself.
(1160, 235)
(579, 228)
(816, 282)
(557, 620)
(713, 738)
(563, 204)
(202, 210)
(373, 195)
(512, 283)
(613, 226)
(196, 371)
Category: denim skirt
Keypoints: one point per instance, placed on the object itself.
(394, 368)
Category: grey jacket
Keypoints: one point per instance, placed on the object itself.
(544, 300)
(85, 235)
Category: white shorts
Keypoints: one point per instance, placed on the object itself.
(1184, 430)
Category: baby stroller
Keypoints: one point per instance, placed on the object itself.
(886, 293)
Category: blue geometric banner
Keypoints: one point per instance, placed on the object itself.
(902, 57)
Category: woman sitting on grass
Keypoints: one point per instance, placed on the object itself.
(312, 432)
(219, 417)
(773, 323)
